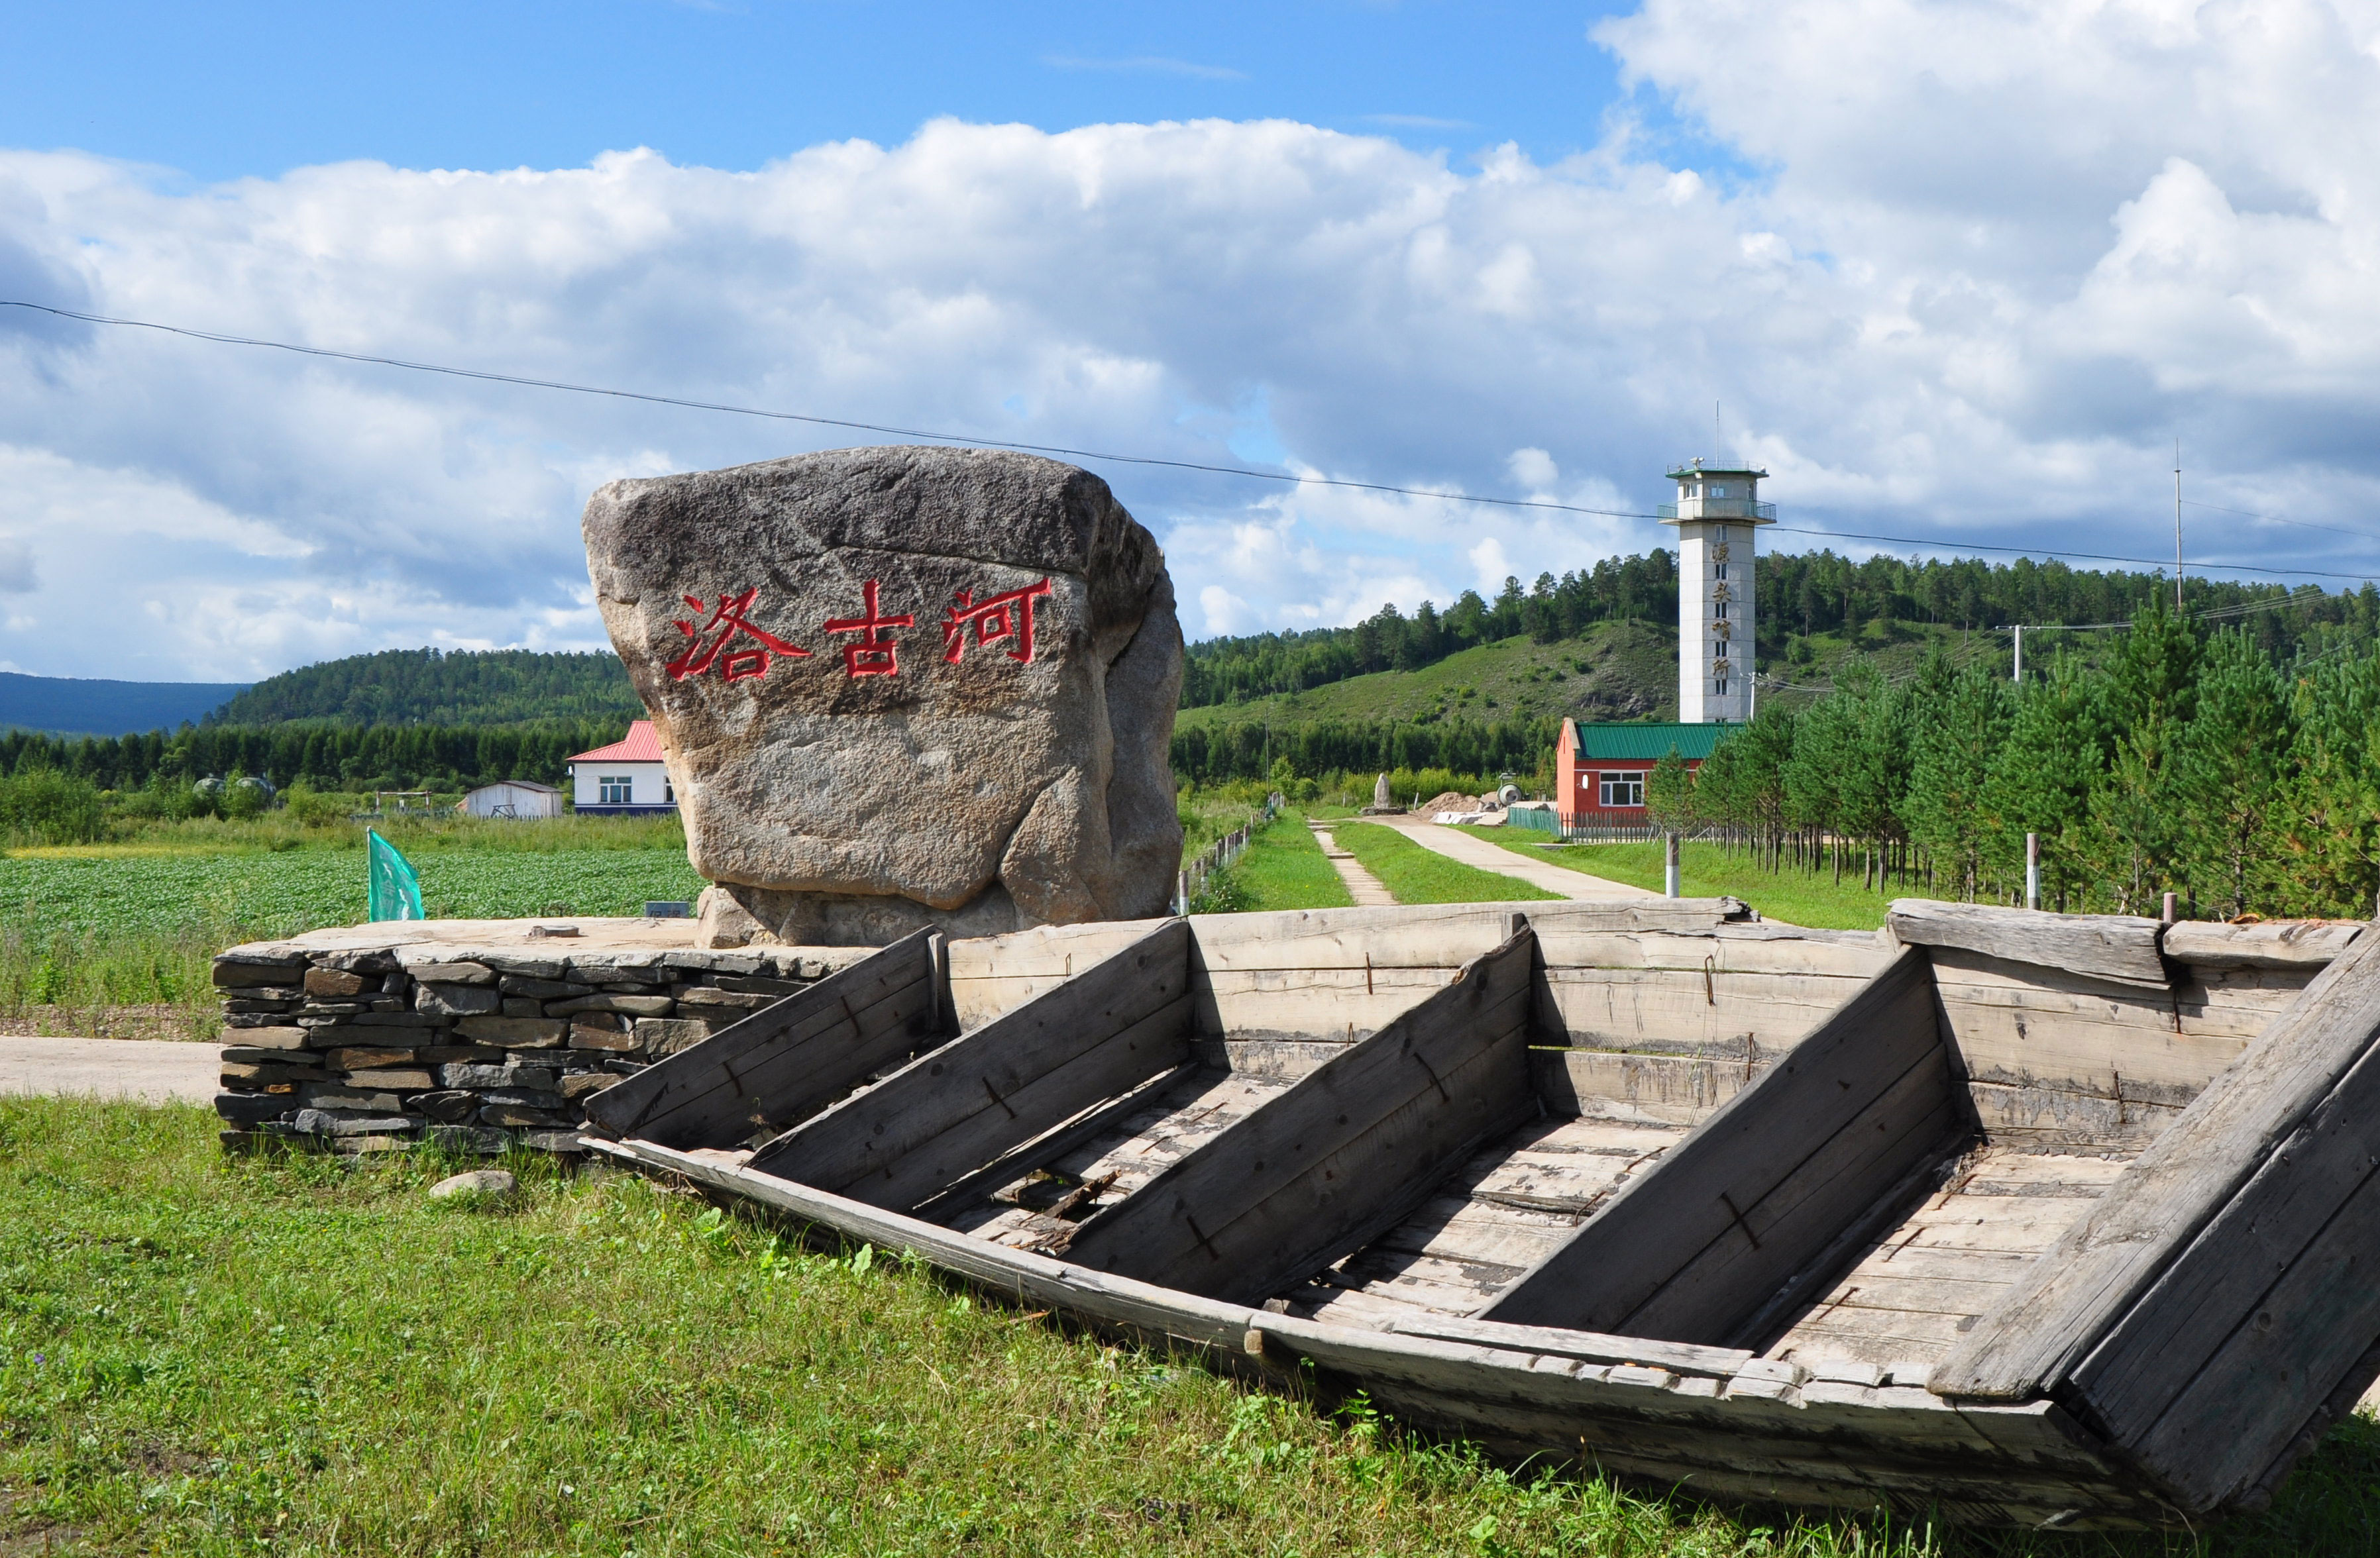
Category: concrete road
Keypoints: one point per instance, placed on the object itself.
(143, 1070)
(1489, 857)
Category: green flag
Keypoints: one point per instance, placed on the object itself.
(395, 891)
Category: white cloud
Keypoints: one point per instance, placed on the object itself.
(1992, 258)
(1533, 469)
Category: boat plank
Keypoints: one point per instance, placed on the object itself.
(1678, 1090)
(2307, 945)
(2013, 1460)
(1803, 1129)
(2115, 947)
(1153, 1047)
(1335, 1157)
(2271, 1291)
(1210, 1104)
(859, 1142)
(1389, 1164)
(1440, 936)
(787, 1060)
(2103, 1264)
(2058, 1120)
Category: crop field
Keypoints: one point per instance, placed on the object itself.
(114, 939)
(149, 891)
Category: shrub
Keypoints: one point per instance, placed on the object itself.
(42, 806)
(308, 807)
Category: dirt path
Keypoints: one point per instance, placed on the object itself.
(1489, 857)
(1365, 886)
(144, 1070)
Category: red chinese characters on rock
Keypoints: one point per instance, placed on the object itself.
(874, 655)
(1002, 619)
(750, 659)
(1008, 615)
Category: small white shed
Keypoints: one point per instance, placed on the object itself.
(513, 798)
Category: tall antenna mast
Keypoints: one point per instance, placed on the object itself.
(2177, 525)
(1714, 459)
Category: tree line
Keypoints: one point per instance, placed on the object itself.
(1800, 596)
(1249, 750)
(325, 756)
(2204, 763)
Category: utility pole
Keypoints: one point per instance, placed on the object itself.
(2018, 675)
(2177, 525)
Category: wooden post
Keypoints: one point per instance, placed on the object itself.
(2033, 871)
(2167, 917)
(1670, 864)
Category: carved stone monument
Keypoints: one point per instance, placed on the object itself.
(1383, 803)
(900, 687)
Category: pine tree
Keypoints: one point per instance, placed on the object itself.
(1956, 738)
(2324, 834)
(2228, 769)
(2133, 838)
(1670, 793)
(2040, 781)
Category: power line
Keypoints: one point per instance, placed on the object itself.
(1245, 472)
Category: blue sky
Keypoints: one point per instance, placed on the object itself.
(1960, 270)
(229, 90)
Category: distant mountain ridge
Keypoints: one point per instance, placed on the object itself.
(80, 707)
(475, 687)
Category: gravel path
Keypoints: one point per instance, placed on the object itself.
(144, 1070)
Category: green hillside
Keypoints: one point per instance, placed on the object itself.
(1616, 670)
(471, 687)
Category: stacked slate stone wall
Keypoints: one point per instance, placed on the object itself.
(478, 1049)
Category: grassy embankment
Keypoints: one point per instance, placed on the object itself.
(203, 1356)
(1709, 870)
(114, 939)
(1414, 874)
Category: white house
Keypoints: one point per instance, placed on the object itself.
(625, 778)
(512, 798)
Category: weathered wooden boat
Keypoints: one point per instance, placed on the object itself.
(2018, 1219)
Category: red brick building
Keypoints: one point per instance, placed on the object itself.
(1599, 770)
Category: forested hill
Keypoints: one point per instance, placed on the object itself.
(433, 687)
(80, 707)
(1812, 607)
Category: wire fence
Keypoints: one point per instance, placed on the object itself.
(1191, 885)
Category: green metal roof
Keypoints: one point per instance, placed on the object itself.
(1647, 743)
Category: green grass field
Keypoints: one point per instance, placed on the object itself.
(215, 1357)
(1284, 868)
(1707, 871)
(1414, 874)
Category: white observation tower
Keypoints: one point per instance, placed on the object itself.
(1718, 514)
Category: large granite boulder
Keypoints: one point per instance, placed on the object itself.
(900, 686)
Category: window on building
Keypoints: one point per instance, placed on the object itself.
(614, 790)
(1623, 789)
(1719, 685)
(1718, 492)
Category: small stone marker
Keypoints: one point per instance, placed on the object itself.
(901, 687)
(476, 1182)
